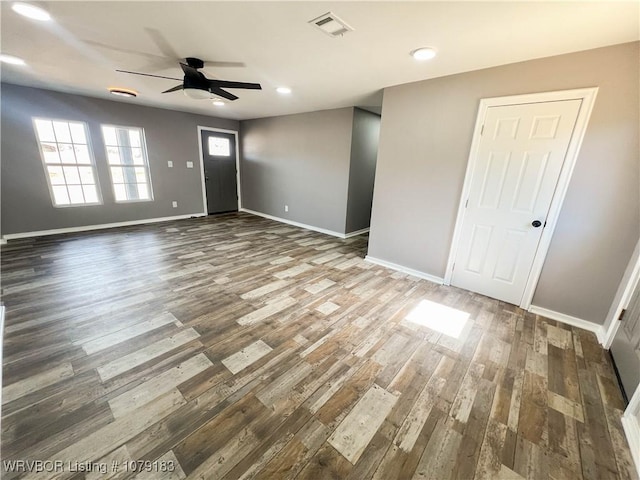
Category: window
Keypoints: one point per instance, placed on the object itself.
(219, 146)
(127, 157)
(68, 162)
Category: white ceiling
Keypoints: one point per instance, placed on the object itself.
(279, 47)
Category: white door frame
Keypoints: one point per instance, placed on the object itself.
(631, 427)
(201, 150)
(588, 96)
(627, 286)
(623, 297)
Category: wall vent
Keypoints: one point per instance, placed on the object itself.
(330, 24)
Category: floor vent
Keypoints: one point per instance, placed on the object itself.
(330, 24)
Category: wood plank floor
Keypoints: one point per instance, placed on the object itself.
(236, 347)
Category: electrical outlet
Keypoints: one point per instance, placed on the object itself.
(174, 204)
(286, 208)
(170, 164)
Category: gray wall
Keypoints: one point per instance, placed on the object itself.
(425, 138)
(301, 161)
(170, 135)
(362, 171)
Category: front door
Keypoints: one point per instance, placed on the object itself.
(220, 179)
(519, 160)
(626, 345)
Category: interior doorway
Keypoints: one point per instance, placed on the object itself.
(522, 155)
(220, 170)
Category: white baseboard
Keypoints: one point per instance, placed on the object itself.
(295, 224)
(86, 228)
(356, 233)
(599, 330)
(632, 431)
(400, 268)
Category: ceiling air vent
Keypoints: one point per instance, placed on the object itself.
(330, 24)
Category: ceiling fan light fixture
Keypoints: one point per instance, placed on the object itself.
(424, 53)
(123, 92)
(11, 60)
(196, 93)
(283, 90)
(218, 103)
(31, 11)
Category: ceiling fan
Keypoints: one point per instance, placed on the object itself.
(196, 85)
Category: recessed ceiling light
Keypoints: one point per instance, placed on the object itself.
(283, 90)
(218, 103)
(123, 92)
(11, 59)
(424, 53)
(31, 11)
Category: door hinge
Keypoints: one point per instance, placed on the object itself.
(482, 129)
(466, 204)
(621, 316)
(453, 267)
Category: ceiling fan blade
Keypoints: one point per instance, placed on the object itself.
(156, 62)
(189, 71)
(221, 93)
(123, 50)
(162, 43)
(174, 89)
(148, 75)
(229, 84)
(210, 63)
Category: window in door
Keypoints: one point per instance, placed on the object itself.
(128, 163)
(68, 162)
(219, 146)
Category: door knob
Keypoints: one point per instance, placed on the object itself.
(536, 223)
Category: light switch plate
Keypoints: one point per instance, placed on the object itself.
(189, 164)
(170, 164)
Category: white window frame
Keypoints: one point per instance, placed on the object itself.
(45, 165)
(146, 165)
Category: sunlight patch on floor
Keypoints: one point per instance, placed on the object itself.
(443, 319)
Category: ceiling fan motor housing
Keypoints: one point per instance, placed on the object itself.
(194, 62)
(199, 83)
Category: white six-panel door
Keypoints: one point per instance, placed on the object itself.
(519, 160)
